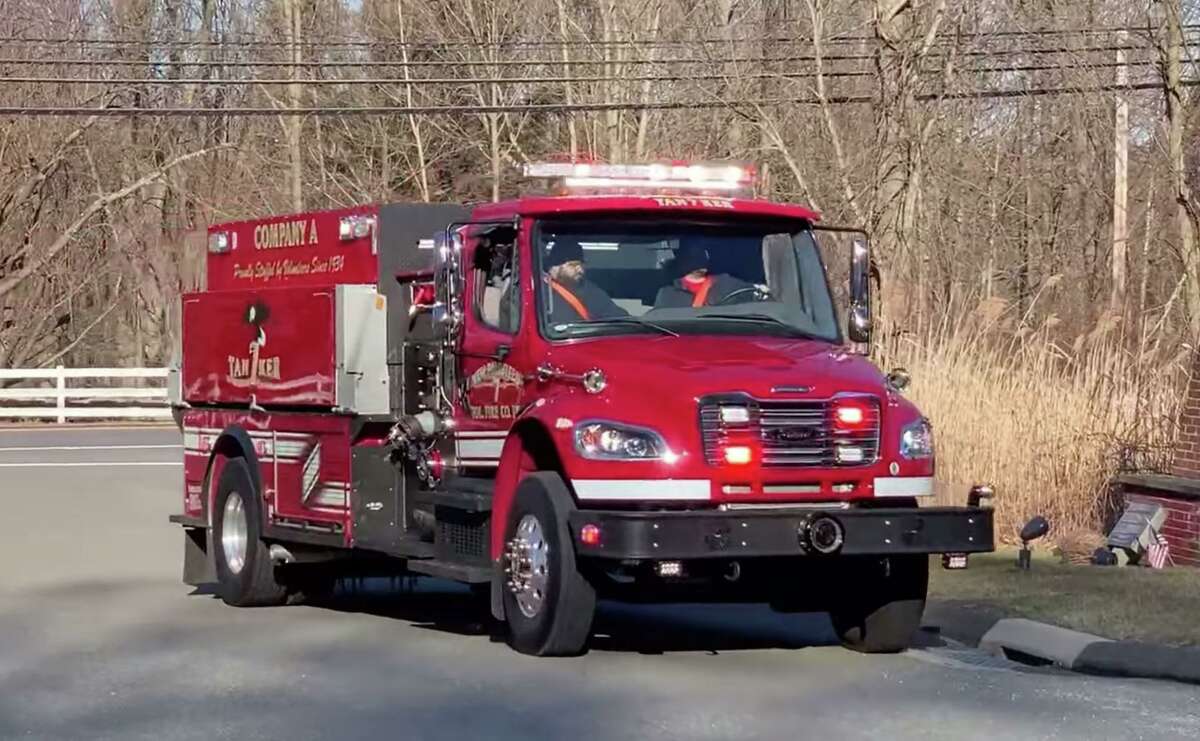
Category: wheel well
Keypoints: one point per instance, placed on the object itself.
(537, 452)
(233, 442)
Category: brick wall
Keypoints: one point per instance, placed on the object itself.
(1186, 457)
(1182, 526)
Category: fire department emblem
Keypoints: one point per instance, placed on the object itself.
(495, 391)
(254, 366)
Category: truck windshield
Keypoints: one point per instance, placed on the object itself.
(622, 277)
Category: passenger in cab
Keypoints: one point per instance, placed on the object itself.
(696, 286)
(572, 298)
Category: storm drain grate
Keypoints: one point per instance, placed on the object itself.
(958, 656)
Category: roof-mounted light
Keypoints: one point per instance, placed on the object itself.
(355, 226)
(713, 179)
(219, 243)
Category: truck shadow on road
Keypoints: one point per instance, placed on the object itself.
(429, 604)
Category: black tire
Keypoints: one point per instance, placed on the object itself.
(886, 605)
(564, 622)
(255, 584)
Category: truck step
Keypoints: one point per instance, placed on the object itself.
(468, 573)
(413, 547)
(467, 493)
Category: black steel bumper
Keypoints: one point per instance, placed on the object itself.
(717, 534)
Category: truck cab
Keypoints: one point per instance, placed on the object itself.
(642, 384)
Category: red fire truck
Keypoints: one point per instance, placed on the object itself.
(634, 386)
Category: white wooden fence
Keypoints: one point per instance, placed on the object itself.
(77, 393)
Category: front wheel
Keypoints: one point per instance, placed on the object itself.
(548, 604)
(884, 604)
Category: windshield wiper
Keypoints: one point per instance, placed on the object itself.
(619, 320)
(760, 319)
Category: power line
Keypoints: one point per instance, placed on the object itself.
(417, 64)
(557, 108)
(417, 81)
(255, 40)
(282, 46)
(538, 80)
(392, 42)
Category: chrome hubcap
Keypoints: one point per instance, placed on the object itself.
(528, 566)
(233, 533)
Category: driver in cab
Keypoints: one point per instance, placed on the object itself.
(696, 286)
(572, 298)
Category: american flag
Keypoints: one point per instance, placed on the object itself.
(1159, 552)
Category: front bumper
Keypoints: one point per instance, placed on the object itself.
(718, 534)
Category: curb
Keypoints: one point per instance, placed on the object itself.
(1032, 642)
(1037, 643)
(1136, 659)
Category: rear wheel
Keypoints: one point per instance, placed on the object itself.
(548, 604)
(245, 572)
(884, 606)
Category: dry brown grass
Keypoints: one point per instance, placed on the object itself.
(1046, 426)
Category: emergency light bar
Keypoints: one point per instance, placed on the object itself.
(581, 176)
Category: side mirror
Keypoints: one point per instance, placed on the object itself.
(859, 320)
(446, 307)
(447, 248)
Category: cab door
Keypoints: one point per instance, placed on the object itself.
(492, 367)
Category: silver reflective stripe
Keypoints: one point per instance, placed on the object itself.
(480, 448)
(651, 489)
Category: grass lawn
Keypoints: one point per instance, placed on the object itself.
(1114, 602)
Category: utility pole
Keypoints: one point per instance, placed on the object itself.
(1120, 185)
(1171, 50)
(294, 123)
(566, 60)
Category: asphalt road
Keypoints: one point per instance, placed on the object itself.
(99, 639)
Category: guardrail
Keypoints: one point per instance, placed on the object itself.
(62, 401)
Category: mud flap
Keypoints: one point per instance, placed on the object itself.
(198, 566)
(497, 587)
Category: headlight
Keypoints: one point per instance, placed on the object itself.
(916, 440)
(616, 442)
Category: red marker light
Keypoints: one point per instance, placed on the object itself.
(737, 455)
(850, 416)
(589, 534)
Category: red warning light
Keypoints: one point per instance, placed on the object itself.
(589, 534)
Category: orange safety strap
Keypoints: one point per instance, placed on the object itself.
(570, 298)
(702, 294)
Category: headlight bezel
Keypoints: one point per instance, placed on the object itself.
(916, 440)
(656, 447)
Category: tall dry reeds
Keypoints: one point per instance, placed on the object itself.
(1047, 426)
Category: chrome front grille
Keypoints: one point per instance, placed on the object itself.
(802, 434)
